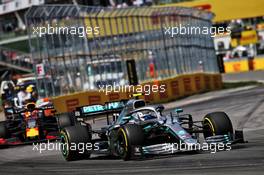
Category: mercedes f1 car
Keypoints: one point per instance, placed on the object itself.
(138, 128)
(28, 124)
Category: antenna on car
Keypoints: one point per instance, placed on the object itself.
(136, 95)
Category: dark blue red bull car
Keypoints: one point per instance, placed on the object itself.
(28, 124)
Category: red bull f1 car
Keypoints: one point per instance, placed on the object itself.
(139, 129)
(28, 124)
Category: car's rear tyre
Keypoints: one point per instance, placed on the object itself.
(3, 130)
(72, 138)
(66, 119)
(128, 137)
(217, 123)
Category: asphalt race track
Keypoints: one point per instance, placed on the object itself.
(246, 109)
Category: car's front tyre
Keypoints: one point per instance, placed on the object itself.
(217, 123)
(72, 138)
(128, 137)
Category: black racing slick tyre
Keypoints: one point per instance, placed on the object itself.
(66, 119)
(3, 130)
(74, 142)
(128, 137)
(217, 123)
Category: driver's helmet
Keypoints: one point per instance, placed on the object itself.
(29, 89)
(145, 116)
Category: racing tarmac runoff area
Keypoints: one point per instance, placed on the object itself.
(245, 108)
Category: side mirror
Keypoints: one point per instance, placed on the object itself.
(160, 108)
(178, 110)
(127, 118)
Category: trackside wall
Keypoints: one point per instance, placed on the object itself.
(176, 87)
(243, 65)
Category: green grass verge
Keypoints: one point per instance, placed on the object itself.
(229, 85)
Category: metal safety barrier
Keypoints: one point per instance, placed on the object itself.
(74, 60)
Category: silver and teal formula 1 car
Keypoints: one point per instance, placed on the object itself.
(134, 128)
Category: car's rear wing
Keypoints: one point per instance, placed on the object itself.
(92, 111)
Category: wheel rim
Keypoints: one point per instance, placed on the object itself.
(121, 145)
(208, 129)
(64, 145)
